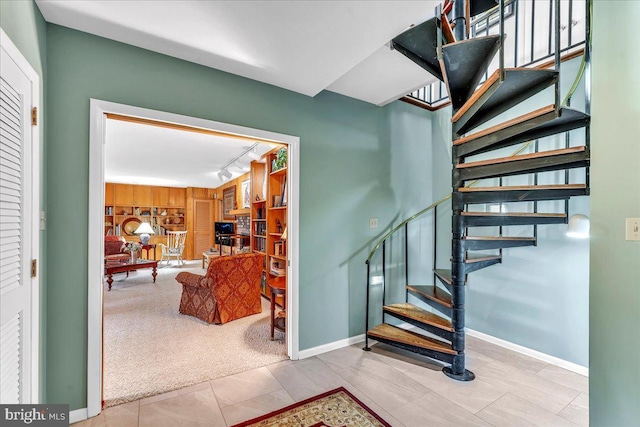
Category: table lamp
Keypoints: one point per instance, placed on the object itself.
(145, 231)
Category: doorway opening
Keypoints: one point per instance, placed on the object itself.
(138, 285)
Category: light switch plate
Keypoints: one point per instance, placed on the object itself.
(373, 222)
(633, 229)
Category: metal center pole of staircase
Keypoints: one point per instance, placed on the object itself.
(459, 18)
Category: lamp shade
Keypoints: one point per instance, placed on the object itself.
(144, 230)
(578, 226)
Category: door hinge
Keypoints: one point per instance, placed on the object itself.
(34, 267)
(34, 116)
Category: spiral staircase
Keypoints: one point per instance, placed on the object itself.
(462, 63)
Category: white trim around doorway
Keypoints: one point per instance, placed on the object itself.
(96, 201)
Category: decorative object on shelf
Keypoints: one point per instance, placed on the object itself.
(133, 248)
(278, 226)
(145, 231)
(284, 193)
(136, 211)
(246, 193)
(280, 161)
(228, 202)
(277, 201)
(164, 213)
(130, 225)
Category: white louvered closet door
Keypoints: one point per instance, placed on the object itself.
(15, 233)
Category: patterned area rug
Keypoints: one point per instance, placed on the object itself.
(335, 408)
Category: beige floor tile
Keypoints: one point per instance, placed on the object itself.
(566, 378)
(471, 395)
(256, 407)
(97, 421)
(578, 410)
(175, 393)
(346, 357)
(387, 392)
(402, 360)
(125, 415)
(512, 411)
(244, 386)
(198, 408)
(517, 360)
(538, 390)
(306, 378)
(373, 406)
(435, 410)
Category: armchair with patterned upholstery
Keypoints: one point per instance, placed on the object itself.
(229, 290)
(114, 249)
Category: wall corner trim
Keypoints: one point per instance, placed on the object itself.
(78, 415)
(570, 366)
(325, 348)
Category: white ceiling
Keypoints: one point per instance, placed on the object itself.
(151, 155)
(303, 46)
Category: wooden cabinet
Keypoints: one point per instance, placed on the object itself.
(177, 197)
(161, 196)
(123, 194)
(108, 194)
(141, 202)
(142, 195)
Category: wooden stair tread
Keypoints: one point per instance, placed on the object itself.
(392, 333)
(537, 124)
(522, 214)
(463, 64)
(416, 313)
(523, 188)
(493, 78)
(498, 238)
(538, 155)
(443, 274)
(419, 44)
(509, 123)
(498, 96)
(432, 292)
(471, 259)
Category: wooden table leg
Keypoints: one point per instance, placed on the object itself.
(154, 273)
(110, 281)
(273, 310)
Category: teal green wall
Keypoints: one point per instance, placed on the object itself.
(25, 26)
(615, 285)
(344, 163)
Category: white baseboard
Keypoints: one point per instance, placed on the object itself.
(570, 366)
(78, 415)
(324, 348)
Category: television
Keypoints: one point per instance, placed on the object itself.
(224, 228)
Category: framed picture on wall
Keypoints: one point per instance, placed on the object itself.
(228, 202)
(246, 193)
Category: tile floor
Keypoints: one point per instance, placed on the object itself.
(509, 390)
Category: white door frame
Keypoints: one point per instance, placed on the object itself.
(96, 227)
(34, 250)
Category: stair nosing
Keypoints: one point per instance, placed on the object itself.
(505, 125)
(509, 159)
(433, 344)
(433, 297)
(492, 238)
(390, 308)
(516, 214)
(524, 188)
